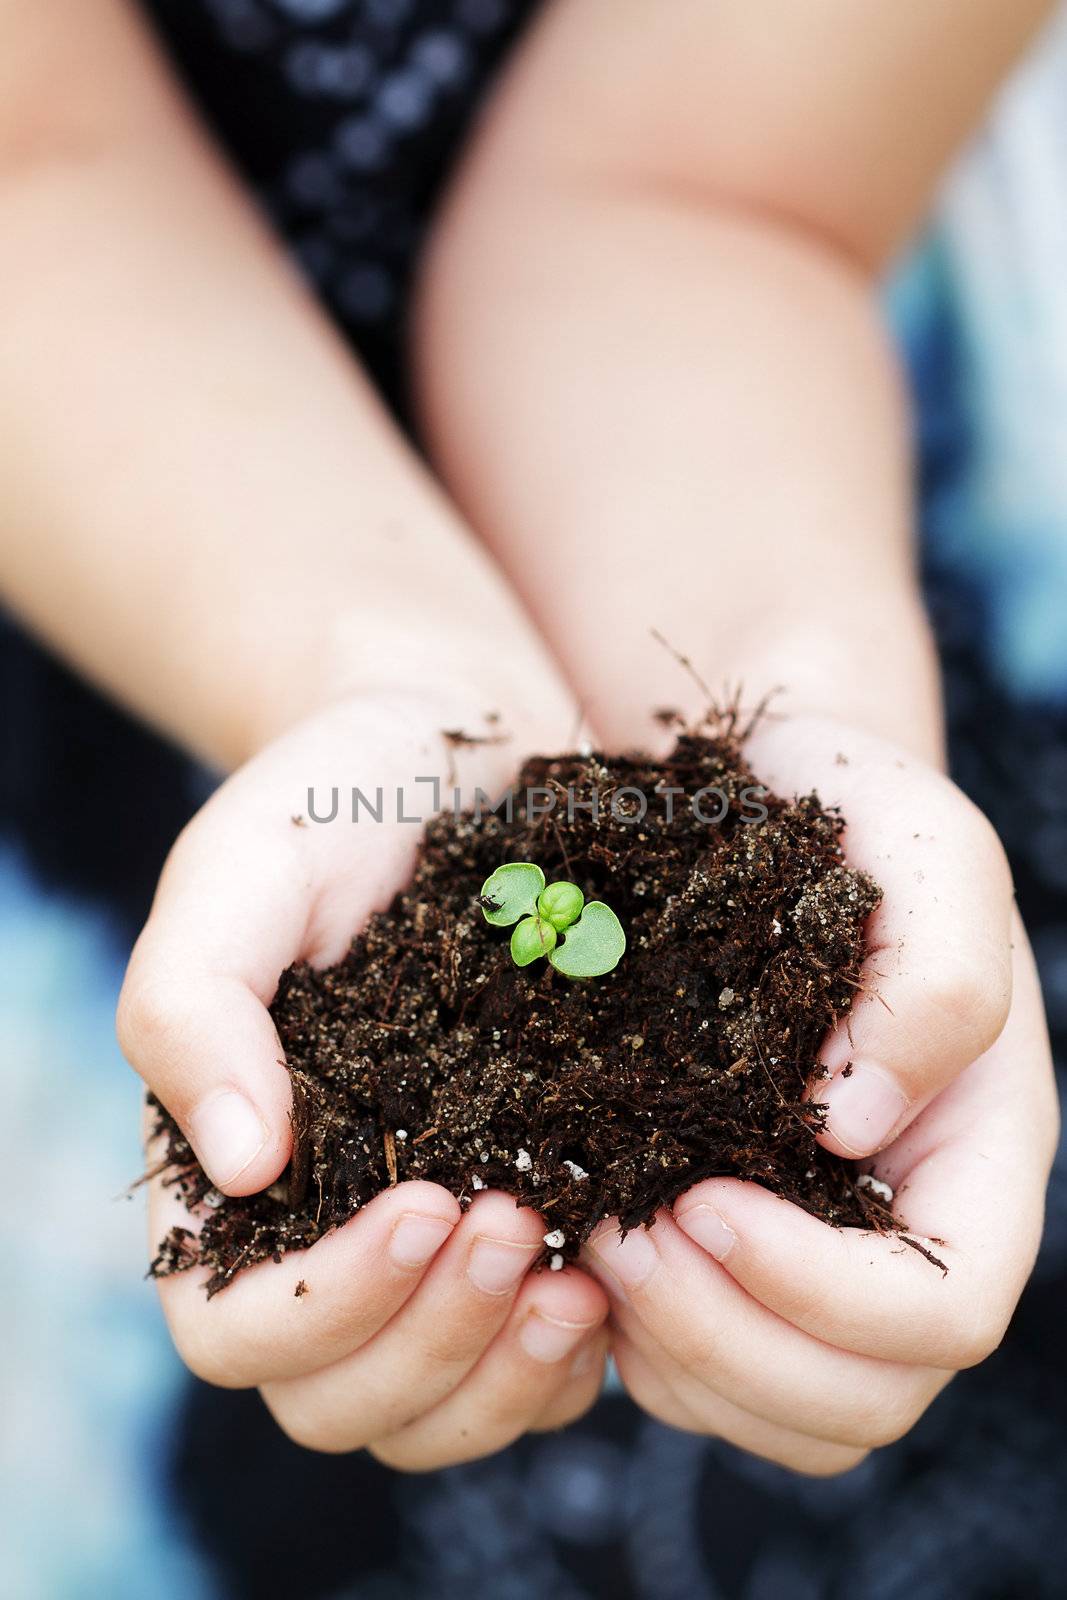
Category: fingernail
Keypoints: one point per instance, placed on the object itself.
(545, 1339)
(496, 1265)
(631, 1260)
(707, 1229)
(227, 1134)
(863, 1109)
(416, 1239)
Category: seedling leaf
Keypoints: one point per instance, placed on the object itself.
(561, 904)
(511, 892)
(532, 939)
(592, 946)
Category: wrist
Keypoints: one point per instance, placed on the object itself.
(435, 673)
(865, 659)
(875, 668)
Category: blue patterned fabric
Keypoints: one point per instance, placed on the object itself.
(345, 118)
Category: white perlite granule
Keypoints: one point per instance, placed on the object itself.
(523, 1161)
(555, 1263)
(556, 1239)
(575, 1170)
(880, 1190)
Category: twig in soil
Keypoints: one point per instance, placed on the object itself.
(762, 710)
(874, 994)
(687, 666)
(389, 1141)
(458, 739)
(792, 1110)
(388, 1004)
(461, 740)
(906, 1238)
(559, 838)
(164, 1165)
(235, 1265)
(300, 1121)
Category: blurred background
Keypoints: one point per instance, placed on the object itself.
(120, 1475)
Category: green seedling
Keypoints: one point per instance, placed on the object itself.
(579, 940)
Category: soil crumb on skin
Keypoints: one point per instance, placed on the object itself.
(426, 1053)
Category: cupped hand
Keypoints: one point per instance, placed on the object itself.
(743, 1316)
(418, 1332)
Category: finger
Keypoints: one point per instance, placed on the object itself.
(581, 1390)
(970, 1174)
(668, 1294)
(646, 1383)
(228, 916)
(937, 981)
(527, 1367)
(852, 1423)
(352, 1282)
(243, 895)
(429, 1347)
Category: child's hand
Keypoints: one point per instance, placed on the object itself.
(420, 1334)
(747, 1318)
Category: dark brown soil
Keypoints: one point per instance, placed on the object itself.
(427, 1054)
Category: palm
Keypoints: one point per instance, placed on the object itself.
(427, 1360)
(810, 1344)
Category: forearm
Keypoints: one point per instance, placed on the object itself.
(651, 363)
(205, 506)
(704, 435)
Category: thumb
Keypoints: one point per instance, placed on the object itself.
(936, 985)
(192, 1018)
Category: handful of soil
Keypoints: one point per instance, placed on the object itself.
(426, 1053)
